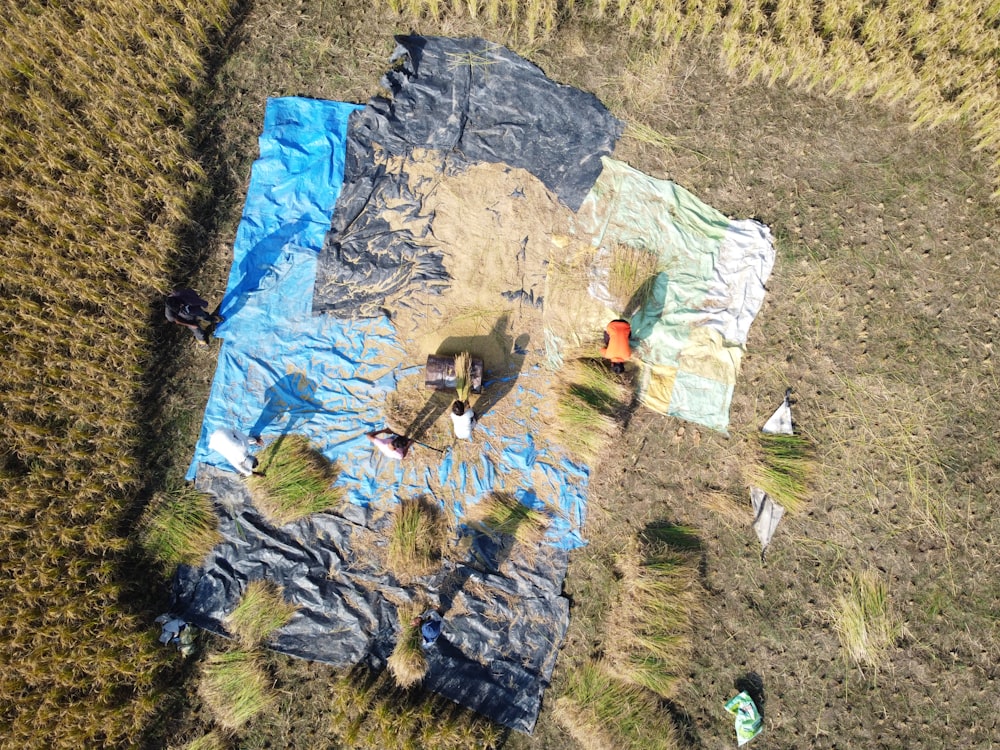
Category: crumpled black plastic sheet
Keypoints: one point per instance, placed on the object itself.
(466, 101)
(496, 657)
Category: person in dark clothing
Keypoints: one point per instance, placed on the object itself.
(185, 308)
(430, 624)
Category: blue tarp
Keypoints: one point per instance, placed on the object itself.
(283, 370)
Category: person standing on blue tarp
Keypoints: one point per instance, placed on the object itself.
(463, 419)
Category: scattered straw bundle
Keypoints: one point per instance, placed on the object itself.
(783, 467)
(630, 276)
(179, 526)
(864, 621)
(234, 687)
(407, 663)
(502, 514)
(589, 401)
(296, 481)
(262, 610)
(416, 539)
(604, 713)
(648, 632)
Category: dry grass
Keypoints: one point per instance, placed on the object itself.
(296, 481)
(262, 610)
(649, 629)
(865, 623)
(179, 526)
(235, 688)
(631, 274)
(416, 538)
(407, 662)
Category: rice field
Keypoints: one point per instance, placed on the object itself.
(98, 186)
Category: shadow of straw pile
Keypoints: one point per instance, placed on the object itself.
(618, 701)
(295, 481)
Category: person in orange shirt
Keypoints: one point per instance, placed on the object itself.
(616, 344)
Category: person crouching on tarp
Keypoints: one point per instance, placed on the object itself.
(616, 344)
(234, 446)
(392, 445)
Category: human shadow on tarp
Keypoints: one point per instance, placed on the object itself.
(293, 394)
(259, 268)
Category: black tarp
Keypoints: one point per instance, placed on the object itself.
(454, 102)
(504, 614)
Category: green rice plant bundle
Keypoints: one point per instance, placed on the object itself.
(588, 401)
(649, 629)
(784, 467)
(463, 376)
(416, 538)
(864, 620)
(407, 662)
(602, 712)
(262, 610)
(235, 688)
(502, 514)
(296, 481)
(179, 526)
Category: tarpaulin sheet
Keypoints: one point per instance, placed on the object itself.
(693, 327)
(283, 370)
(455, 102)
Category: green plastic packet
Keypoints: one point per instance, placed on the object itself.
(748, 718)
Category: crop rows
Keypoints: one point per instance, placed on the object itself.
(96, 179)
(939, 59)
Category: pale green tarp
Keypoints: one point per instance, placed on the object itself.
(691, 332)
